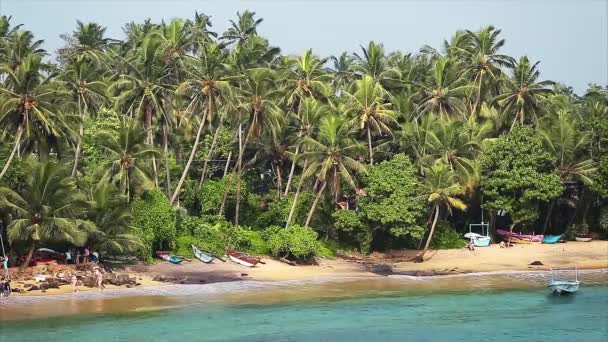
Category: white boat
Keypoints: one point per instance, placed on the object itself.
(478, 240)
(200, 255)
(560, 286)
(583, 239)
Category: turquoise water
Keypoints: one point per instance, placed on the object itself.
(482, 316)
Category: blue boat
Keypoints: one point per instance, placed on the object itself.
(551, 238)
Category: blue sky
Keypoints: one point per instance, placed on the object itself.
(570, 38)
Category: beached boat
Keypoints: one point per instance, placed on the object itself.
(560, 286)
(478, 240)
(551, 238)
(518, 237)
(167, 257)
(200, 255)
(583, 238)
(242, 258)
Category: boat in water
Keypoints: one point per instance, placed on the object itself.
(167, 257)
(242, 258)
(551, 238)
(518, 237)
(201, 255)
(563, 286)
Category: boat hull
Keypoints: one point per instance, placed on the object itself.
(583, 239)
(519, 238)
(242, 259)
(200, 255)
(551, 239)
(482, 242)
(564, 287)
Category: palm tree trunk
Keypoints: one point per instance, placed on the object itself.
(420, 258)
(28, 258)
(295, 198)
(293, 167)
(190, 158)
(369, 144)
(548, 217)
(12, 155)
(210, 152)
(80, 134)
(227, 164)
(314, 204)
(238, 178)
(279, 180)
(167, 168)
(150, 141)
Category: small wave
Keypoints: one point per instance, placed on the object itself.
(517, 273)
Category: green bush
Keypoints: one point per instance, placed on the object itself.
(155, 221)
(445, 237)
(295, 242)
(348, 224)
(603, 221)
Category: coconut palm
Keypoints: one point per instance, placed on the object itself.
(88, 41)
(373, 63)
(245, 27)
(304, 77)
(444, 97)
(522, 93)
(48, 208)
(208, 92)
(199, 32)
(342, 71)
(109, 210)
(30, 103)
(331, 159)
(369, 112)
(127, 157)
(440, 186)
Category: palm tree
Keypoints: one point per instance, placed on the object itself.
(522, 92)
(444, 97)
(87, 91)
(369, 111)
(88, 41)
(304, 77)
(30, 104)
(570, 146)
(440, 186)
(109, 210)
(208, 92)
(49, 208)
(199, 32)
(127, 157)
(246, 26)
(373, 63)
(331, 159)
(342, 71)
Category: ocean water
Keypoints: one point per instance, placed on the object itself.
(368, 313)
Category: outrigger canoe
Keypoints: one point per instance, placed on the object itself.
(519, 238)
(242, 258)
(201, 255)
(165, 256)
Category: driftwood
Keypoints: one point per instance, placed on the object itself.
(288, 262)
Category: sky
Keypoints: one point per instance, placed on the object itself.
(569, 37)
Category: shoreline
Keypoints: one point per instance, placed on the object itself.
(484, 261)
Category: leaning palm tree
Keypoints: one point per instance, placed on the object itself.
(331, 159)
(127, 157)
(369, 111)
(440, 186)
(109, 210)
(522, 92)
(444, 97)
(30, 101)
(48, 208)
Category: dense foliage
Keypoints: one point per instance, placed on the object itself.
(181, 135)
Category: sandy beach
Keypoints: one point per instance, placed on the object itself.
(585, 255)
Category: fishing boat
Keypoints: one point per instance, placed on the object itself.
(242, 258)
(201, 255)
(560, 286)
(583, 238)
(478, 240)
(167, 257)
(551, 238)
(518, 237)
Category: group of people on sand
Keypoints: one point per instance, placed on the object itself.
(71, 256)
(98, 280)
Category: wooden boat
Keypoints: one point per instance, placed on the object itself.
(167, 257)
(518, 237)
(200, 255)
(551, 238)
(560, 286)
(242, 258)
(478, 240)
(583, 238)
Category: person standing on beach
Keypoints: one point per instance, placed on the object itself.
(99, 279)
(85, 255)
(68, 257)
(7, 288)
(74, 282)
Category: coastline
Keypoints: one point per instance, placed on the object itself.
(151, 279)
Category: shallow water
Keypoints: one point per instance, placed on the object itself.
(507, 307)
